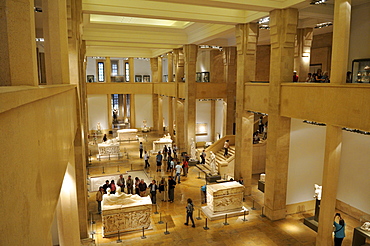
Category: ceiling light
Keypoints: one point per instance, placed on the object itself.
(324, 24)
(316, 2)
(267, 27)
(37, 9)
(264, 20)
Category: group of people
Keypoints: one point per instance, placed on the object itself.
(318, 77)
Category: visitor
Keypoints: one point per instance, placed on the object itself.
(146, 159)
(163, 188)
(141, 148)
(203, 190)
(241, 181)
(349, 77)
(203, 157)
(172, 166)
(295, 76)
(105, 138)
(318, 76)
(142, 188)
(130, 185)
(112, 187)
(174, 149)
(264, 135)
(171, 189)
(325, 77)
(309, 77)
(159, 158)
(165, 151)
(153, 191)
(169, 159)
(189, 212)
(178, 169)
(260, 124)
(137, 182)
(185, 166)
(169, 152)
(226, 147)
(121, 182)
(106, 186)
(339, 232)
(99, 198)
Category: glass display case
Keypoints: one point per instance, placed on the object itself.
(361, 71)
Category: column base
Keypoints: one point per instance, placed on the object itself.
(275, 214)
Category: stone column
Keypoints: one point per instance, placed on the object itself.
(333, 148)
(170, 116)
(283, 24)
(217, 66)
(213, 121)
(179, 64)
(170, 66)
(154, 68)
(18, 63)
(108, 70)
(246, 36)
(160, 69)
(229, 60)
(160, 116)
(56, 41)
(131, 63)
(190, 54)
(180, 126)
(155, 111)
(341, 35)
(132, 111)
(303, 52)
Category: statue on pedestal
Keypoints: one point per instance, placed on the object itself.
(115, 112)
(212, 163)
(193, 151)
(98, 128)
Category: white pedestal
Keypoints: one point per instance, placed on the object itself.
(127, 135)
(125, 213)
(224, 198)
(158, 145)
(107, 150)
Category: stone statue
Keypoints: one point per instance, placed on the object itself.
(366, 226)
(115, 113)
(212, 163)
(98, 126)
(318, 191)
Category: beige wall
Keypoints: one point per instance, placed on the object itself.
(38, 128)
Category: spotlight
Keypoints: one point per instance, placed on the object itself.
(316, 2)
(267, 27)
(37, 9)
(264, 20)
(324, 24)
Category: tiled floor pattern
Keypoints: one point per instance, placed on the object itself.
(256, 231)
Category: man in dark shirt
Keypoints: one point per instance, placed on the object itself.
(142, 188)
(171, 188)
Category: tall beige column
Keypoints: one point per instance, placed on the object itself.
(131, 64)
(190, 54)
(170, 116)
(160, 69)
(303, 52)
(179, 64)
(170, 66)
(132, 111)
(229, 58)
(333, 148)
(56, 41)
(213, 120)
(246, 39)
(283, 24)
(154, 68)
(155, 99)
(108, 69)
(18, 63)
(160, 115)
(180, 126)
(341, 35)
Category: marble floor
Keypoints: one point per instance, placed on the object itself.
(257, 230)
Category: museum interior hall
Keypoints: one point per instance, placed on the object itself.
(124, 119)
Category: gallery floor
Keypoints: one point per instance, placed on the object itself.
(256, 231)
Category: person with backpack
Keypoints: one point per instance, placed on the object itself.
(189, 212)
(339, 231)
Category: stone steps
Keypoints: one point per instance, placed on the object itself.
(206, 168)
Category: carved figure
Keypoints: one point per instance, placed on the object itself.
(212, 163)
(318, 191)
(366, 226)
(193, 151)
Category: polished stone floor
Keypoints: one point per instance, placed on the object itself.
(257, 230)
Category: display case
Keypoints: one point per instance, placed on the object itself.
(361, 71)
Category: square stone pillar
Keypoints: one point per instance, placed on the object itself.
(302, 52)
(190, 54)
(155, 99)
(18, 63)
(160, 116)
(170, 116)
(170, 66)
(283, 24)
(333, 149)
(108, 70)
(341, 35)
(56, 41)
(160, 69)
(131, 64)
(179, 64)
(246, 40)
(229, 60)
(213, 120)
(180, 126)
(154, 68)
(132, 111)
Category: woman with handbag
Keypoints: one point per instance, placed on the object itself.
(339, 231)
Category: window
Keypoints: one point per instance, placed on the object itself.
(115, 102)
(127, 71)
(101, 71)
(114, 68)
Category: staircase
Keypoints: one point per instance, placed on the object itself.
(218, 149)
